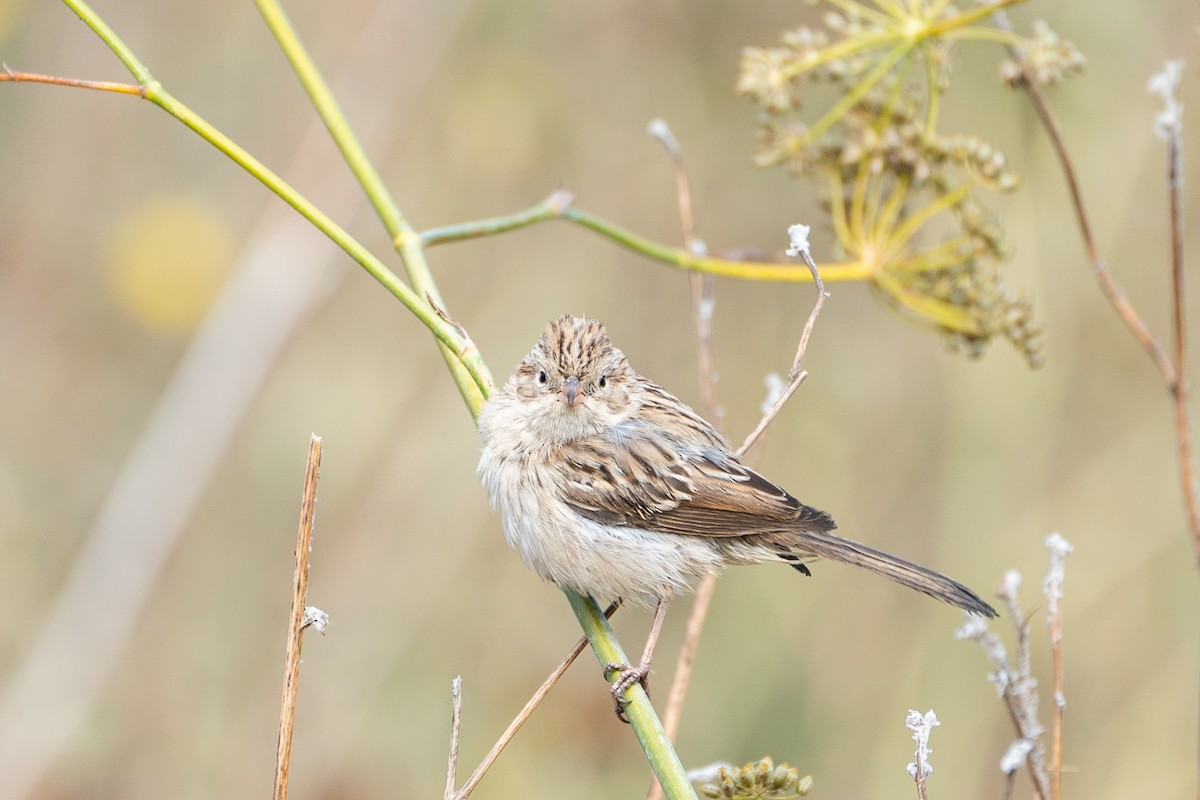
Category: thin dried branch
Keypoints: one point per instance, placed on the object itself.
(922, 726)
(1017, 687)
(1171, 370)
(701, 283)
(455, 724)
(295, 639)
(525, 712)
(15, 76)
(1060, 548)
(1108, 284)
(797, 374)
(1171, 128)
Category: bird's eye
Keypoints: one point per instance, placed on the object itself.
(603, 381)
(542, 376)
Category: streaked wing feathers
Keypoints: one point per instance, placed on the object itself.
(640, 481)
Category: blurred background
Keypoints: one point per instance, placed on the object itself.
(170, 335)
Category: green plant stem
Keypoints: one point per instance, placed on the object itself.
(681, 258)
(966, 18)
(394, 221)
(557, 206)
(858, 91)
(550, 208)
(650, 734)
(110, 38)
(446, 332)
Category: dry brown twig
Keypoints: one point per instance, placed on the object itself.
(1169, 126)
(1053, 587)
(302, 616)
(1015, 682)
(455, 725)
(922, 726)
(514, 726)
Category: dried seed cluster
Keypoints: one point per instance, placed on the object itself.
(757, 781)
(903, 195)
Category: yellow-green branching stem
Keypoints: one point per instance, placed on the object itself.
(842, 49)
(678, 257)
(908, 228)
(837, 201)
(549, 208)
(949, 253)
(936, 8)
(858, 202)
(394, 221)
(925, 309)
(1007, 38)
(151, 90)
(891, 208)
(964, 19)
(933, 90)
(858, 91)
(110, 38)
(866, 12)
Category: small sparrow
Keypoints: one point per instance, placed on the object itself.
(610, 485)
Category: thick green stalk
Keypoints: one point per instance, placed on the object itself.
(445, 331)
(369, 178)
(650, 734)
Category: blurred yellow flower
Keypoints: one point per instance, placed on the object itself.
(168, 260)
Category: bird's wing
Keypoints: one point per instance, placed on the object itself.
(660, 484)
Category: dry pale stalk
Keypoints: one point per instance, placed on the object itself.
(295, 639)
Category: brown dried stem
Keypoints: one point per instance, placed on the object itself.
(455, 725)
(523, 715)
(7, 74)
(797, 373)
(922, 792)
(1056, 728)
(1100, 269)
(1172, 371)
(1179, 386)
(295, 639)
(1020, 695)
(701, 283)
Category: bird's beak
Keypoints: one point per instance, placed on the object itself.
(571, 391)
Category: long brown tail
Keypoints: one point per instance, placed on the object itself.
(914, 576)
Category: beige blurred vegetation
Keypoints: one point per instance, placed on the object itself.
(488, 106)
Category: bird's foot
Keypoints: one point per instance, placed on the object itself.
(627, 675)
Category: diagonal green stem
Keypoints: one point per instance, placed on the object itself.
(394, 221)
(110, 38)
(860, 89)
(445, 331)
(650, 734)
